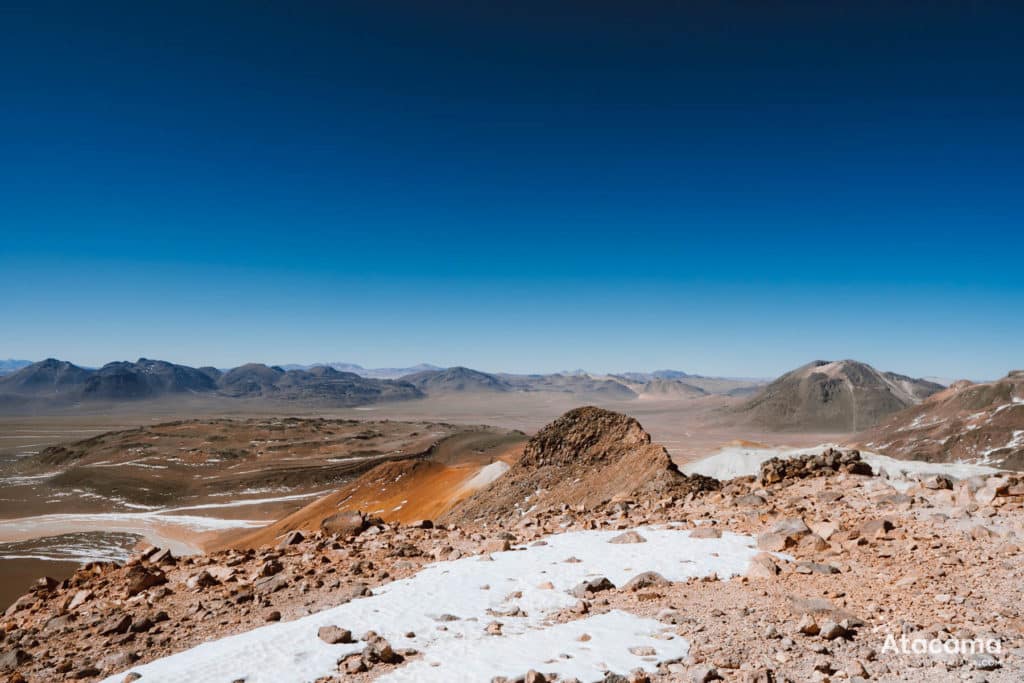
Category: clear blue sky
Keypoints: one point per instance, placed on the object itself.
(723, 187)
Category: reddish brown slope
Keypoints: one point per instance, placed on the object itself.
(981, 423)
(401, 490)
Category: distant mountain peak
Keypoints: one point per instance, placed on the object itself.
(834, 396)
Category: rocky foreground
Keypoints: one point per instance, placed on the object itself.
(852, 574)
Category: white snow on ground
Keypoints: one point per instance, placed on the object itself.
(737, 461)
(26, 480)
(249, 501)
(474, 589)
(486, 475)
(159, 529)
(555, 649)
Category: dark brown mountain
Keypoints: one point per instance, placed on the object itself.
(456, 379)
(317, 384)
(250, 380)
(125, 381)
(833, 396)
(47, 378)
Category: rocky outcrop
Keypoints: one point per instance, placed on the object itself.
(587, 457)
(823, 464)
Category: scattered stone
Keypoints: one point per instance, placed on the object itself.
(496, 545)
(346, 524)
(705, 674)
(808, 626)
(13, 659)
(830, 630)
(140, 578)
(119, 623)
(629, 537)
(203, 579)
(763, 566)
(80, 598)
(291, 538)
(588, 588)
(332, 635)
(774, 543)
(875, 527)
(706, 532)
(645, 580)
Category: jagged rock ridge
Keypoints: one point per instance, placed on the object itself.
(587, 457)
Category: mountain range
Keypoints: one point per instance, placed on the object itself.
(58, 381)
(844, 396)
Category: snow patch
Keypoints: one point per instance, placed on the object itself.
(486, 476)
(473, 589)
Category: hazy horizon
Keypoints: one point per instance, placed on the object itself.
(520, 371)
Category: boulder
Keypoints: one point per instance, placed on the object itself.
(628, 537)
(332, 635)
(588, 588)
(645, 580)
(345, 524)
(141, 578)
(706, 532)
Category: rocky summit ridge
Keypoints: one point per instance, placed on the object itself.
(588, 456)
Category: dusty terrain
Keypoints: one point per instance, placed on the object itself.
(847, 561)
(181, 483)
(688, 428)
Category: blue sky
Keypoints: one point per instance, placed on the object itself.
(727, 188)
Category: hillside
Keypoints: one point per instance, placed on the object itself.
(199, 461)
(120, 381)
(586, 457)
(425, 486)
(976, 423)
(580, 384)
(456, 379)
(833, 396)
(725, 386)
(670, 388)
(50, 378)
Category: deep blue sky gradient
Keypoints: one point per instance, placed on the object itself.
(724, 187)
